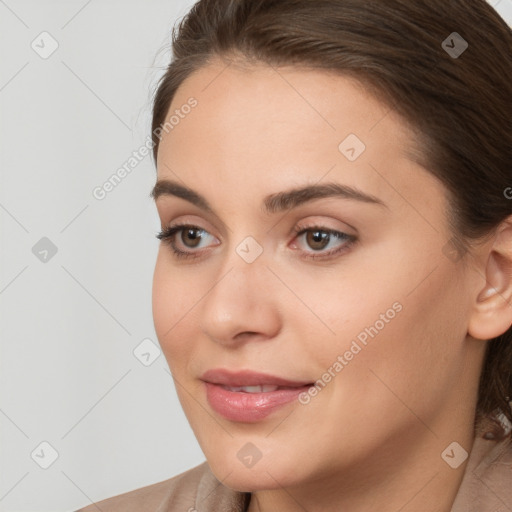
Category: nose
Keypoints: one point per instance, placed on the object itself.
(242, 304)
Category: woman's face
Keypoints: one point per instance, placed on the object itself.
(378, 319)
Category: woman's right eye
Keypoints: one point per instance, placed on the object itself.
(168, 236)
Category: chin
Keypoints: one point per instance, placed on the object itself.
(263, 475)
(250, 480)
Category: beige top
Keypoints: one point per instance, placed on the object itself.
(486, 487)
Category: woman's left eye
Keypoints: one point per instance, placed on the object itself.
(317, 237)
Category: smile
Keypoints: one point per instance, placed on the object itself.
(249, 396)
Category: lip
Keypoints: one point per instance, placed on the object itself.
(246, 407)
(248, 378)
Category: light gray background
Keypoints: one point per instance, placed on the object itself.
(70, 324)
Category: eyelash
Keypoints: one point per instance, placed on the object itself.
(167, 236)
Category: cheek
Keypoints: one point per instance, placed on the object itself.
(399, 327)
(413, 360)
(162, 299)
(172, 305)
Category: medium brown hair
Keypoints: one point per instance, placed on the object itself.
(459, 107)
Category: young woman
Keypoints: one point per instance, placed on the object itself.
(333, 288)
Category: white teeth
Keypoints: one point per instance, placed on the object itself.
(252, 389)
(268, 387)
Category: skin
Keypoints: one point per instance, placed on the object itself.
(373, 437)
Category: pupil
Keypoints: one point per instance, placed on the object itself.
(320, 237)
(190, 233)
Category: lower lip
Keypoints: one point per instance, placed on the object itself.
(249, 407)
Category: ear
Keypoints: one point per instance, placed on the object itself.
(492, 308)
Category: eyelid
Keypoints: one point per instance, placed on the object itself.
(188, 220)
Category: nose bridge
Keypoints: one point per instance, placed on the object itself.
(246, 257)
(239, 280)
(239, 301)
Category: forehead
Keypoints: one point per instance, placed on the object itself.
(290, 100)
(255, 125)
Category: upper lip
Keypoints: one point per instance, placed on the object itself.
(247, 378)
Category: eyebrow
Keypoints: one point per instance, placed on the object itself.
(273, 203)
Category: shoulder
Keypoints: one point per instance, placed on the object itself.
(184, 492)
(486, 485)
(493, 475)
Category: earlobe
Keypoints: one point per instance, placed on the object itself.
(492, 313)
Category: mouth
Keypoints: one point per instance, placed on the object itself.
(265, 388)
(248, 396)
